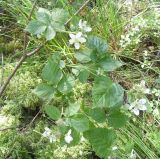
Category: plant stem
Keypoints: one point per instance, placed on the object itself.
(79, 10)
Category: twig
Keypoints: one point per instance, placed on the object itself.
(2, 72)
(79, 10)
(32, 121)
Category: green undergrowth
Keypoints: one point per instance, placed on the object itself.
(132, 35)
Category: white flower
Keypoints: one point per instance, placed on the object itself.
(156, 112)
(114, 148)
(52, 138)
(133, 155)
(68, 138)
(138, 105)
(47, 132)
(77, 39)
(83, 26)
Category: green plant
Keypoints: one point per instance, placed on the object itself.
(80, 113)
(60, 74)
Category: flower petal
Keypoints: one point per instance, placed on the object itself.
(82, 40)
(135, 111)
(72, 35)
(78, 35)
(142, 107)
(142, 101)
(77, 45)
(147, 91)
(88, 29)
(71, 41)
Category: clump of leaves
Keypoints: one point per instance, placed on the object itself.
(48, 23)
(101, 116)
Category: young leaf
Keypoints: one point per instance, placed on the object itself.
(52, 72)
(109, 64)
(79, 122)
(35, 27)
(47, 24)
(98, 44)
(44, 91)
(72, 109)
(101, 140)
(117, 119)
(106, 93)
(97, 114)
(53, 112)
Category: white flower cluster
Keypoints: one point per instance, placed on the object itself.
(133, 34)
(141, 103)
(52, 138)
(48, 134)
(79, 38)
(137, 106)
